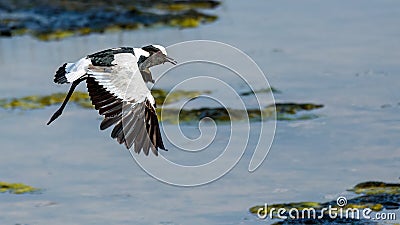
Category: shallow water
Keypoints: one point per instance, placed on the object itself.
(338, 53)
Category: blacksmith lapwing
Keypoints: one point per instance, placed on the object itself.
(116, 81)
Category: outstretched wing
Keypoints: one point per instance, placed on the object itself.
(120, 94)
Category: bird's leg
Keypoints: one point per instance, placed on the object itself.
(71, 90)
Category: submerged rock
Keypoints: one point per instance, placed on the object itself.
(291, 111)
(49, 20)
(293, 108)
(265, 90)
(16, 188)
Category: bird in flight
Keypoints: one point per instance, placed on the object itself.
(116, 81)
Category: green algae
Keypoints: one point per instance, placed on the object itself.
(39, 102)
(54, 35)
(16, 188)
(186, 5)
(376, 187)
(161, 95)
(291, 111)
(374, 195)
(293, 108)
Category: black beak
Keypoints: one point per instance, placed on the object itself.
(170, 60)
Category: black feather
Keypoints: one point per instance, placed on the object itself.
(60, 77)
(106, 57)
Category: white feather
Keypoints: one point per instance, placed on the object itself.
(139, 52)
(77, 70)
(162, 49)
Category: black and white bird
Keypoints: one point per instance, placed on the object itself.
(116, 81)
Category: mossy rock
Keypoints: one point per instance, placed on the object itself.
(61, 19)
(293, 108)
(217, 114)
(377, 202)
(264, 90)
(376, 187)
(16, 188)
(186, 5)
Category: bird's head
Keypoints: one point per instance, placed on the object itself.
(157, 55)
